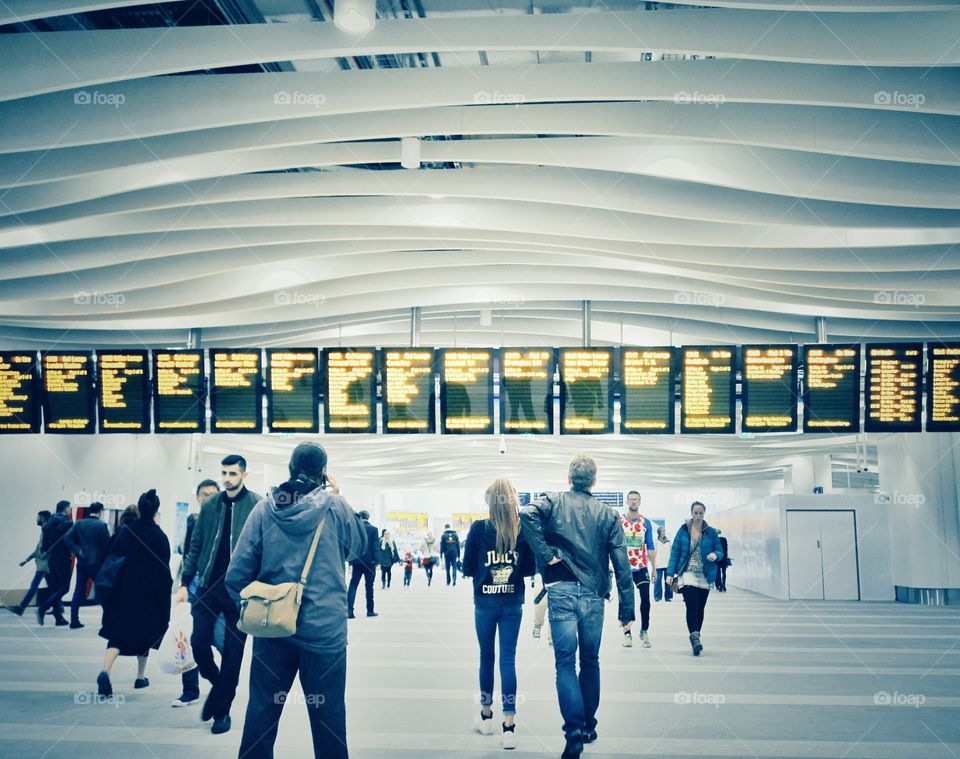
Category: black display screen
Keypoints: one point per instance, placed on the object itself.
(647, 401)
(707, 401)
(68, 399)
(350, 401)
(235, 391)
(894, 387)
(123, 391)
(831, 388)
(293, 390)
(586, 403)
(466, 391)
(943, 387)
(769, 374)
(19, 392)
(409, 395)
(526, 390)
(179, 385)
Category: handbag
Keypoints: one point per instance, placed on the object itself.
(271, 611)
(108, 576)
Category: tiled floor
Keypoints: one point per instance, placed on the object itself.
(778, 679)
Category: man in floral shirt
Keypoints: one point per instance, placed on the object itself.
(642, 553)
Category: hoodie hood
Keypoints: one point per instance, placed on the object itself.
(297, 506)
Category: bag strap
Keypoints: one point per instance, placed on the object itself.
(313, 550)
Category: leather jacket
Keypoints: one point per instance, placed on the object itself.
(587, 536)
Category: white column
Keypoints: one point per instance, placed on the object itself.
(802, 474)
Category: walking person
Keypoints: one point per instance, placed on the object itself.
(214, 539)
(388, 556)
(190, 680)
(642, 554)
(575, 538)
(41, 568)
(450, 548)
(661, 587)
(58, 560)
(693, 568)
(723, 564)
(136, 610)
(498, 559)
(87, 540)
(364, 568)
(430, 556)
(273, 549)
(408, 562)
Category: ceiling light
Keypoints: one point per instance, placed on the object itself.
(356, 16)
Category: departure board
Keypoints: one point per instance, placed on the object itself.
(408, 390)
(831, 388)
(466, 391)
(123, 391)
(707, 402)
(586, 404)
(178, 391)
(235, 399)
(647, 401)
(293, 390)
(526, 390)
(19, 392)
(351, 390)
(894, 387)
(769, 374)
(943, 387)
(68, 400)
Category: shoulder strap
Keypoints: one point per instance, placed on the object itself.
(313, 550)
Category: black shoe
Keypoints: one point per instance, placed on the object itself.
(573, 748)
(372, 614)
(206, 713)
(141, 682)
(589, 737)
(74, 625)
(39, 616)
(351, 615)
(18, 610)
(695, 643)
(62, 622)
(104, 686)
(221, 725)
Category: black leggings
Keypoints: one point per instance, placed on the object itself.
(385, 575)
(641, 578)
(696, 601)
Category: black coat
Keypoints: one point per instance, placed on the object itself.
(137, 613)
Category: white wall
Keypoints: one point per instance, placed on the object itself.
(757, 537)
(39, 470)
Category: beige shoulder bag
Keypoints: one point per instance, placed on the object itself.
(270, 611)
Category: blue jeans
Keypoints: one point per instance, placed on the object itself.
(84, 575)
(323, 677)
(490, 615)
(661, 589)
(34, 587)
(576, 622)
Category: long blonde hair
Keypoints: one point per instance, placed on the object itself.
(504, 507)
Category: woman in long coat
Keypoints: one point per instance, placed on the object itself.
(136, 610)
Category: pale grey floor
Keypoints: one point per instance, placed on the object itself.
(778, 679)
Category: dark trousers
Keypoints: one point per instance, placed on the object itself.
(722, 577)
(211, 602)
(696, 601)
(84, 575)
(450, 565)
(428, 568)
(59, 581)
(407, 575)
(641, 578)
(323, 678)
(661, 587)
(38, 576)
(361, 572)
(386, 575)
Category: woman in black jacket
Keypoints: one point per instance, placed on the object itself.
(136, 611)
(498, 558)
(387, 556)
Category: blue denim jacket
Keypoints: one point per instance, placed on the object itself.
(680, 551)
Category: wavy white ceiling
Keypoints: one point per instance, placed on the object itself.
(722, 173)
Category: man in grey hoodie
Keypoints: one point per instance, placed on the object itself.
(273, 548)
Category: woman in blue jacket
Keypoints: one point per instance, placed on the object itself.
(693, 565)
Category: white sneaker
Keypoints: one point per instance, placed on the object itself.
(627, 640)
(508, 739)
(483, 726)
(645, 639)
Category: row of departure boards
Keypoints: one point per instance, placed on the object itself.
(126, 390)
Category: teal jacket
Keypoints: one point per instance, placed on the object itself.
(206, 535)
(680, 551)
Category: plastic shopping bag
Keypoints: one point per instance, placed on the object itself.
(175, 656)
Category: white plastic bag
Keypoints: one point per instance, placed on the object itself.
(175, 655)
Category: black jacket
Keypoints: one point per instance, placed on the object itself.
(54, 546)
(88, 539)
(495, 575)
(587, 536)
(371, 555)
(137, 612)
(450, 543)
